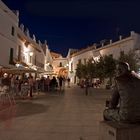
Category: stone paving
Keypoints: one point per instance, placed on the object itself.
(54, 116)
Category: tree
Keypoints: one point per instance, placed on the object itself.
(131, 58)
(91, 68)
(78, 71)
(106, 67)
(81, 71)
(110, 66)
(100, 69)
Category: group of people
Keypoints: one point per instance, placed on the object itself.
(95, 84)
(53, 84)
(14, 83)
(23, 85)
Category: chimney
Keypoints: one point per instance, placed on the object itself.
(132, 33)
(22, 27)
(120, 37)
(34, 38)
(27, 32)
(45, 42)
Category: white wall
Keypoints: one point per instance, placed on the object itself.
(7, 20)
(115, 48)
(56, 64)
(130, 43)
(86, 55)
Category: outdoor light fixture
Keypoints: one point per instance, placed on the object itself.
(5, 75)
(31, 53)
(18, 65)
(96, 59)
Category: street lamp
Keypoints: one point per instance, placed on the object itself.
(31, 53)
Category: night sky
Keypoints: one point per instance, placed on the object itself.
(77, 23)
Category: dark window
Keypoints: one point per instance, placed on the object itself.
(60, 64)
(35, 59)
(121, 53)
(71, 66)
(13, 31)
(79, 61)
(11, 56)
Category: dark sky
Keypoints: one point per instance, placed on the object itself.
(77, 23)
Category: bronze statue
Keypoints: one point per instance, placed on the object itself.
(124, 105)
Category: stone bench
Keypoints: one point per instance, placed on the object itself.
(118, 131)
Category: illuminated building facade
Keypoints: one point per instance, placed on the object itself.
(17, 47)
(123, 44)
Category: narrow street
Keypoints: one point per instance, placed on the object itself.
(69, 116)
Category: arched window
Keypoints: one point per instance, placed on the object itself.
(60, 64)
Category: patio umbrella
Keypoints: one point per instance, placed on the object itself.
(19, 70)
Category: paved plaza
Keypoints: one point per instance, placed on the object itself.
(53, 116)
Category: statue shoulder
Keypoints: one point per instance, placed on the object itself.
(135, 75)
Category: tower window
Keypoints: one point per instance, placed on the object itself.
(13, 31)
(11, 56)
(60, 64)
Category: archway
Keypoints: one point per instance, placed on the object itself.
(63, 72)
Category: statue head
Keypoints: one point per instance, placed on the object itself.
(123, 68)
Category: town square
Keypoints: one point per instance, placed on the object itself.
(50, 91)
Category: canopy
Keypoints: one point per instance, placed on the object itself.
(19, 70)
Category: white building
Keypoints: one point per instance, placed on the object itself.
(126, 44)
(60, 64)
(8, 35)
(28, 50)
(17, 46)
(48, 60)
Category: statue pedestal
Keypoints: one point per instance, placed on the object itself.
(119, 131)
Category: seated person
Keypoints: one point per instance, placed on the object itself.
(124, 105)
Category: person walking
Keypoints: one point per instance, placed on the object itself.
(86, 86)
(31, 82)
(47, 83)
(60, 82)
